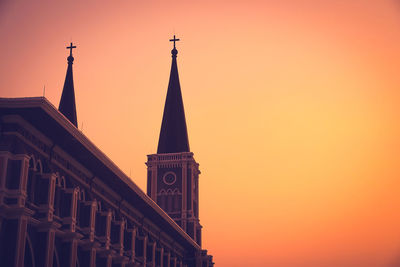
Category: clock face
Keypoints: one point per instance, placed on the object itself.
(169, 178)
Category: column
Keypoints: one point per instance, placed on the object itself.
(159, 256)
(151, 254)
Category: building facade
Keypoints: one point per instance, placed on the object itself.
(63, 202)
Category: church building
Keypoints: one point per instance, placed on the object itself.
(64, 203)
(173, 174)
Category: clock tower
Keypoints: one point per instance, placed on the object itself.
(173, 173)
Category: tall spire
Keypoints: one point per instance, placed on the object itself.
(67, 102)
(173, 134)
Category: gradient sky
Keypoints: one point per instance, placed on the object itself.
(293, 111)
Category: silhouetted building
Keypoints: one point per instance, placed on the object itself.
(173, 174)
(65, 203)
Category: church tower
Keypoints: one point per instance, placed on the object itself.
(173, 173)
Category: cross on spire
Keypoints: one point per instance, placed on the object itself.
(174, 40)
(70, 49)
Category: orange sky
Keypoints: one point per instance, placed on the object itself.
(292, 106)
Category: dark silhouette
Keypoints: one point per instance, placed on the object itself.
(173, 173)
(67, 103)
(173, 134)
(63, 203)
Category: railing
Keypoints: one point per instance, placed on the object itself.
(170, 157)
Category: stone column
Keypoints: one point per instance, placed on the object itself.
(151, 254)
(159, 256)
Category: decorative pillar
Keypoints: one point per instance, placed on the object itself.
(159, 256)
(151, 254)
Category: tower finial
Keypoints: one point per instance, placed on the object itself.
(171, 40)
(70, 58)
(174, 51)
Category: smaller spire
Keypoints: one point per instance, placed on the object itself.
(67, 103)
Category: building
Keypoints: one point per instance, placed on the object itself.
(65, 203)
(173, 174)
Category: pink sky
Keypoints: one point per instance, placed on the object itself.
(293, 111)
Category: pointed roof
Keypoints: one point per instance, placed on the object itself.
(173, 134)
(67, 102)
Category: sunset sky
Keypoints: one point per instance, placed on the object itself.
(292, 107)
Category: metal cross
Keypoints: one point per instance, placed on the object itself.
(70, 49)
(174, 40)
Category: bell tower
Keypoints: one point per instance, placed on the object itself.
(173, 173)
